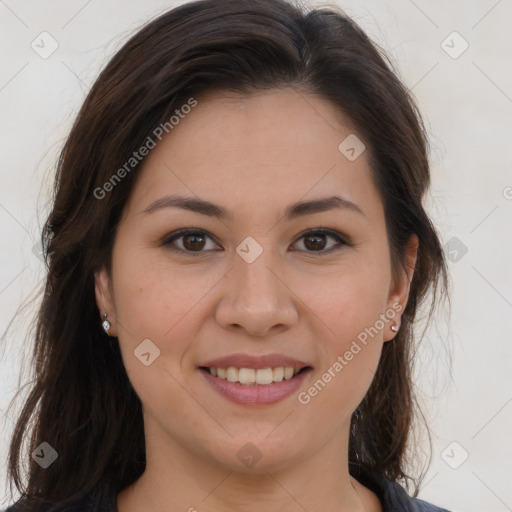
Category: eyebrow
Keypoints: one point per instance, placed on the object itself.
(293, 211)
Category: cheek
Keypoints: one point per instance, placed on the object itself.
(152, 303)
(348, 301)
(349, 355)
(349, 304)
(156, 303)
(153, 297)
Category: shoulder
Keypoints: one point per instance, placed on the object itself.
(417, 505)
(396, 499)
(391, 494)
(97, 499)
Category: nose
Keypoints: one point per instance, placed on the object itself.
(256, 298)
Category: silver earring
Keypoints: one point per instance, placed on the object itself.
(105, 324)
(394, 328)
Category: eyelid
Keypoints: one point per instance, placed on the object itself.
(339, 237)
(176, 235)
(325, 231)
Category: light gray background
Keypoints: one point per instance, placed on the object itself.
(467, 104)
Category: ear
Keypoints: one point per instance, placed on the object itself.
(104, 299)
(401, 286)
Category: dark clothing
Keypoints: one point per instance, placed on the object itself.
(391, 495)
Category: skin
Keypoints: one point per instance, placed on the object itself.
(253, 155)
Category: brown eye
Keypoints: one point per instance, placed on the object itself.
(315, 242)
(195, 242)
(192, 242)
(318, 241)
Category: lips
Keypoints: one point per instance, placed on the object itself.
(256, 394)
(256, 362)
(252, 380)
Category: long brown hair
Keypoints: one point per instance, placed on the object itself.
(82, 401)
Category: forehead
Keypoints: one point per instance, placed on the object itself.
(260, 149)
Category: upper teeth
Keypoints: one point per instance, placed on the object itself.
(255, 376)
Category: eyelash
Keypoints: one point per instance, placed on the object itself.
(172, 237)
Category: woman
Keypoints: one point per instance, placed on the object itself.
(236, 255)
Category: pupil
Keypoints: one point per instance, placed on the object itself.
(319, 238)
(194, 244)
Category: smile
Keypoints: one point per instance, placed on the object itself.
(250, 386)
(261, 376)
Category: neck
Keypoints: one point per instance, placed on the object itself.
(178, 478)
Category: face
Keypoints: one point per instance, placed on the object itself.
(259, 277)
